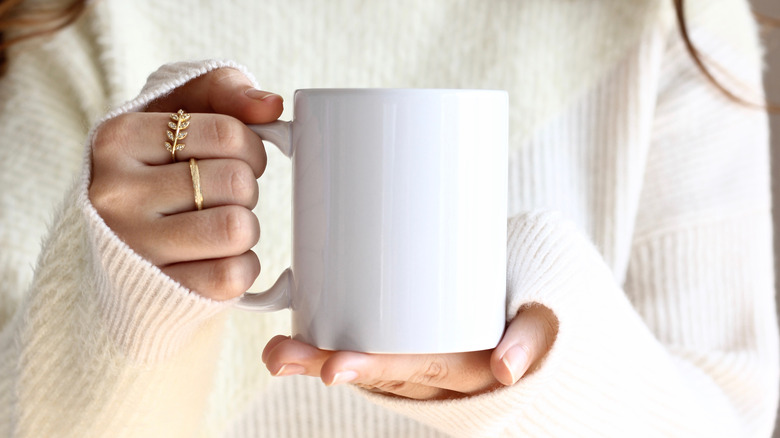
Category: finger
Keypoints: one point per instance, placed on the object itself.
(285, 357)
(224, 91)
(220, 279)
(526, 341)
(198, 235)
(141, 137)
(169, 189)
(460, 372)
(289, 357)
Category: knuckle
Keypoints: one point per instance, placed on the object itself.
(435, 371)
(224, 74)
(102, 197)
(225, 132)
(110, 133)
(240, 229)
(116, 207)
(108, 140)
(112, 201)
(227, 279)
(221, 83)
(241, 183)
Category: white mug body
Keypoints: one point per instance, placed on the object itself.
(399, 219)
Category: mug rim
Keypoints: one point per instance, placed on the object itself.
(381, 90)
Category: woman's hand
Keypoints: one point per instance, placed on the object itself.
(148, 200)
(526, 341)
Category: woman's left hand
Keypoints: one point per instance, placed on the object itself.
(527, 340)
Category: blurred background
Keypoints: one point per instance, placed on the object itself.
(771, 8)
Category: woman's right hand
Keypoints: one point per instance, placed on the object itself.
(147, 199)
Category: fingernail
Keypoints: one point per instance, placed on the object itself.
(516, 361)
(254, 93)
(290, 369)
(343, 377)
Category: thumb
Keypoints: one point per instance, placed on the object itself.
(526, 341)
(223, 91)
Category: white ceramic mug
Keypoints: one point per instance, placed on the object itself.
(399, 219)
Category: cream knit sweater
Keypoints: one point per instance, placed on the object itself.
(639, 203)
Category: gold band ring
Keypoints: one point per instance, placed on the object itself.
(196, 183)
(179, 122)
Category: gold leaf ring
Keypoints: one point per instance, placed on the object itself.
(179, 122)
(196, 183)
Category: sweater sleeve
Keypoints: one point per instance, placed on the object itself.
(102, 343)
(687, 345)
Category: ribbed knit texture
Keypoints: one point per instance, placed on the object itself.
(639, 203)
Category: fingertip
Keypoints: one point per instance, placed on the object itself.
(340, 367)
(289, 369)
(510, 366)
(269, 347)
(344, 376)
(262, 106)
(291, 351)
(260, 95)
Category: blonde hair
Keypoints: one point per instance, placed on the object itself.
(20, 21)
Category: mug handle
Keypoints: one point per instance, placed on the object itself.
(277, 297)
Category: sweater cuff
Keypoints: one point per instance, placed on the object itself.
(544, 253)
(148, 315)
